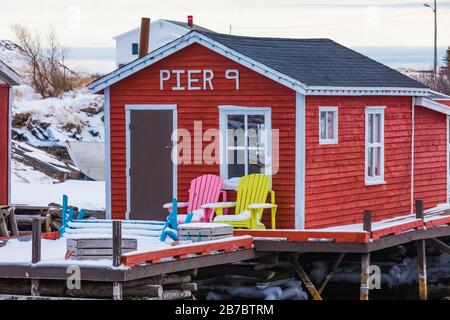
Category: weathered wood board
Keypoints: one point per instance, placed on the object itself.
(99, 243)
(204, 231)
(96, 249)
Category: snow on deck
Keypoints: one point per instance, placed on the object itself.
(82, 194)
(18, 252)
(430, 214)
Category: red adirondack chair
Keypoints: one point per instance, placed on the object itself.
(204, 189)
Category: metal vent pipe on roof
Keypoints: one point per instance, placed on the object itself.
(144, 37)
(190, 21)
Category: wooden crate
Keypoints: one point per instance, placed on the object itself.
(204, 231)
(96, 249)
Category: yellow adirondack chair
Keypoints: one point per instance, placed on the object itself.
(251, 199)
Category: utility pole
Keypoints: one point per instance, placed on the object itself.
(434, 8)
(435, 37)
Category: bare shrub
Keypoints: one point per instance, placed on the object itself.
(48, 74)
(440, 82)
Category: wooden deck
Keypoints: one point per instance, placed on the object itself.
(250, 244)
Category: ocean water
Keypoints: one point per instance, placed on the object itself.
(101, 60)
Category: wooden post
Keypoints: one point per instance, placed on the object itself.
(364, 288)
(13, 222)
(3, 227)
(117, 243)
(36, 241)
(419, 209)
(422, 269)
(36, 252)
(367, 221)
(117, 256)
(304, 277)
(333, 268)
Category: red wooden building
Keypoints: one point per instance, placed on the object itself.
(8, 78)
(337, 132)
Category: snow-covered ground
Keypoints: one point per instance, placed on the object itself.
(76, 115)
(83, 194)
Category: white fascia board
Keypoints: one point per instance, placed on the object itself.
(188, 39)
(9, 75)
(433, 105)
(367, 91)
(196, 37)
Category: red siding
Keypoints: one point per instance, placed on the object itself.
(430, 157)
(255, 90)
(335, 189)
(4, 124)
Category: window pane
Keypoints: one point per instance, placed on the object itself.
(377, 128)
(236, 163)
(330, 125)
(370, 163)
(256, 161)
(134, 48)
(370, 128)
(235, 132)
(323, 125)
(256, 131)
(377, 161)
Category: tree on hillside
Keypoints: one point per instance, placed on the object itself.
(48, 74)
(446, 68)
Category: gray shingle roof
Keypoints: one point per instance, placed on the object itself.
(316, 62)
(185, 25)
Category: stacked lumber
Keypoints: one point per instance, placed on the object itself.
(262, 279)
(204, 231)
(177, 286)
(96, 249)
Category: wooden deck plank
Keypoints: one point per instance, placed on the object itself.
(308, 235)
(181, 252)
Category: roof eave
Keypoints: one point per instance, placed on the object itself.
(433, 105)
(9, 75)
(184, 41)
(396, 91)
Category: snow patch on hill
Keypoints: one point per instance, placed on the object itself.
(76, 115)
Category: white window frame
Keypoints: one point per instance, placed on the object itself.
(380, 178)
(224, 112)
(335, 124)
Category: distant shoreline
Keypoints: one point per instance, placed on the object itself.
(102, 59)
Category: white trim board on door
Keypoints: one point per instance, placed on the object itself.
(150, 107)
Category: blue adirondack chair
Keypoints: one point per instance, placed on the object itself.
(172, 224)
(67, 215)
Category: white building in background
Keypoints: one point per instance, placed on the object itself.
(161, 32)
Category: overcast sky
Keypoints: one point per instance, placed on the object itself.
(350, 22)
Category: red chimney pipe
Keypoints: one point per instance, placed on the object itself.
(144, 37)
(190, 21)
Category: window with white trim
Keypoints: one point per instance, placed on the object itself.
(374, 168)
(246, 141)
(328, 125)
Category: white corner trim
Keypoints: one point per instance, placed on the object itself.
(413, 131)
(433, 105)
(300, 163)
(10, 103)
(448, 159)
(107, 119)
